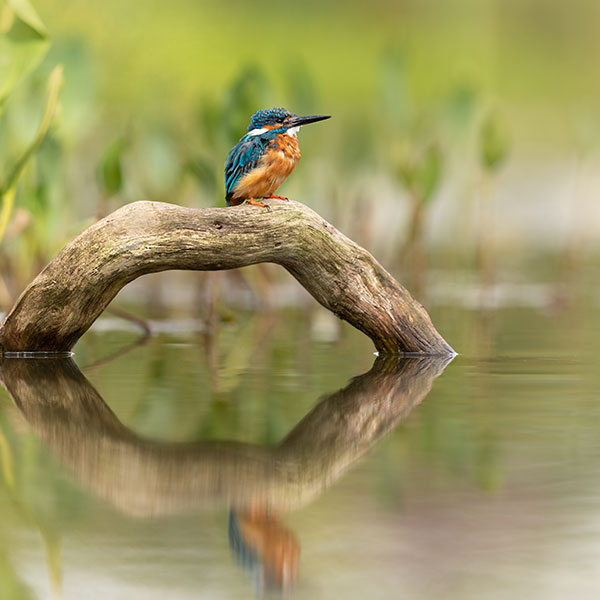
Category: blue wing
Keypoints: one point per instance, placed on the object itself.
(242, 158)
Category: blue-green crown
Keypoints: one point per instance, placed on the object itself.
(268, 116)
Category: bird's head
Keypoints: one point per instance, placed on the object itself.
(268, 119)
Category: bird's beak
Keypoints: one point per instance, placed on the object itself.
(299, 121)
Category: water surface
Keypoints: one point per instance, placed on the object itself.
(265, 461)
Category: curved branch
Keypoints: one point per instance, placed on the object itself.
(145, 237)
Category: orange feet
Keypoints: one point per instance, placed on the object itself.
(275, 197)
(255, 203)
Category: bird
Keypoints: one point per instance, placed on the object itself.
(265, 156)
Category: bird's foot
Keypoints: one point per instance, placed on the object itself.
(275, 197)
(256, 203)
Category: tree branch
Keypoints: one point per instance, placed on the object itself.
(145, 237)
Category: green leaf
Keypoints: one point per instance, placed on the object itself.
(406, 172)
(406, 166)
(421, 173)
(461, 105)
(494, 143)
(429, 173)
(110, 170)
(55, 82)
(26, 13)
(6, 209)
(23, 43)
(8, 189)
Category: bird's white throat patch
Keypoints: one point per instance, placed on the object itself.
(257, 131)
(292, 131)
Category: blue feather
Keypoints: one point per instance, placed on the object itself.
(244, 157)
(268, 116)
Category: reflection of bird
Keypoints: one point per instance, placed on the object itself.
(264, 548)
(262, 160)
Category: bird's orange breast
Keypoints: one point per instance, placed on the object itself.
(274, 168)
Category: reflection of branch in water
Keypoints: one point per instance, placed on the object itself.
(145, 477)
(101, 362)
(142, 340)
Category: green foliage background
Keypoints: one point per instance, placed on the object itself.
(426, 96)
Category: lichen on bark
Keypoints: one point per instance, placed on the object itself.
(63, 301)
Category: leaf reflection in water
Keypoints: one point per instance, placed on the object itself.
(259, 484)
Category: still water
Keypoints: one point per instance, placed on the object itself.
(277, 458)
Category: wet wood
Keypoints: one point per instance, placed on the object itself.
(145, 237)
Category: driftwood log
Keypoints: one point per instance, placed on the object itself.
(145, 237)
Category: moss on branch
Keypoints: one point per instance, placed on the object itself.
(145, 237)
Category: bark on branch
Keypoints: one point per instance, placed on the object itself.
(145, 237)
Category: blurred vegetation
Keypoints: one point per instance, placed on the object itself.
(429, 100)
(494, 146)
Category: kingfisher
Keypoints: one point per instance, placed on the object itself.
(262, 160)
